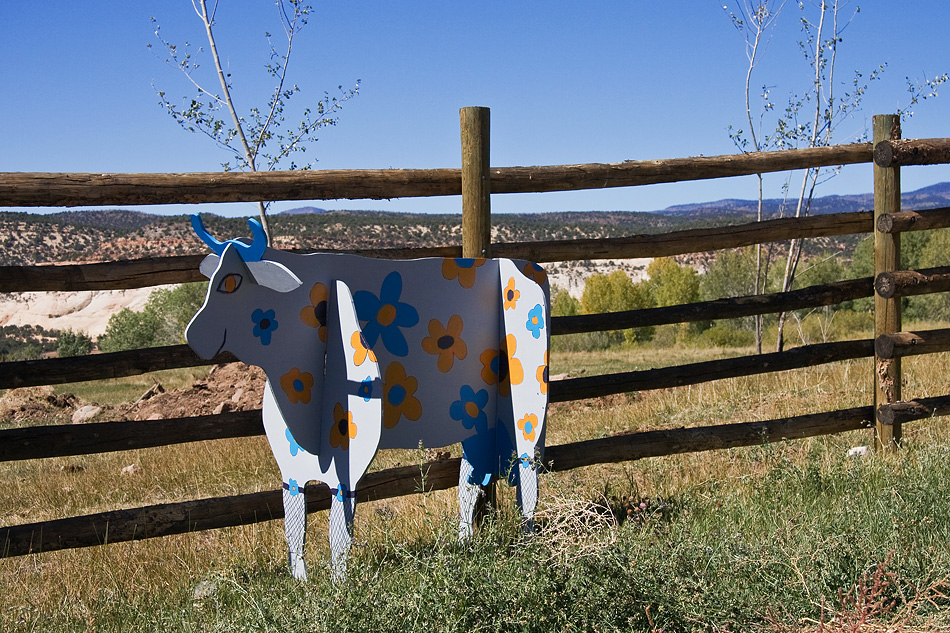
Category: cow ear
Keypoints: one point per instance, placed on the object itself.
(274, 276)
(208, 265)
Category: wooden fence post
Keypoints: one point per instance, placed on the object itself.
(887, 311)
(476, 182)
(476, 217)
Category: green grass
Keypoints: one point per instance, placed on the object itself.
(726, 554)
(754, 538)
(120, 390)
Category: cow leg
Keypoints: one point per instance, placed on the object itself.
(474, 473)
(527, 491)
(468, 497)
(342, 508)
(295, 529)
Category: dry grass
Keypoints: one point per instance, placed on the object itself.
(69, 581)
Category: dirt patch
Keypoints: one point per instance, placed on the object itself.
(231, 387)
(37, 405)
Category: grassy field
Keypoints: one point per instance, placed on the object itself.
(782, 537)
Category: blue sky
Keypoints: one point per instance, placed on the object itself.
(567, 82)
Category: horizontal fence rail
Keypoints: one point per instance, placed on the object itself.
(733, 308)
(59, 371)
(205, 514)
(64, 440)
(906, 283)
(899, 344)
(696, 373)
(901, 152)
(76, 189)
(690, 240)
(910, 410)
(914, 220)
(184, 268)
(143, 273)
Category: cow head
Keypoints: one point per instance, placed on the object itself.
(241, 281)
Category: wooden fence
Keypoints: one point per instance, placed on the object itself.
(475, 180)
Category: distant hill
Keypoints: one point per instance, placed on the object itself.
(105, 219)
(102, 235)
(302, 210)
(925, 198)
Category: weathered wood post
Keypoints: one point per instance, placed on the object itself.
(476, 182)
(476, 214)
(887, 311)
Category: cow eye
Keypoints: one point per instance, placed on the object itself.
(230, 283)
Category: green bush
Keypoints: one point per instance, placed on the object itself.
(73, 344)
(161, 322)
(563, 304)
(726, 335)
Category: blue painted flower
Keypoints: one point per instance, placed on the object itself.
(365, 390)
(535, 321)
(384, 315)
(264, 324)
(525, 460)
(469, 409)
(294, 446)
(292, 487)
(340, 493)
(528, 425)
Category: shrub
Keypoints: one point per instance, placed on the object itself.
(726, 335)
(161, 322)
(73, 344)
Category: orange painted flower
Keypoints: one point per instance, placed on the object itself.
(535, 272)
(511, 295)
(499, 366)
(446, 342)
(360, 349)
(528, 425)
(315, 314)
(542, 374)
(461, 268)
(343, 429)
(399, 399)
(297, 385)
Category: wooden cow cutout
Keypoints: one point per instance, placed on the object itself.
(362, 354)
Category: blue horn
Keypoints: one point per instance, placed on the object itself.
(252, 252)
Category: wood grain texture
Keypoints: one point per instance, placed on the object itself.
(57, 371)
(921, 220)
(897, 152)
(38, 442)
(811, 297)
(906, 283)
(887, 259)
(31, 189)
(899, 344)
(695, 373)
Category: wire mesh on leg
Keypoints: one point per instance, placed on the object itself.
(342, 507)
(295, 528)
(468, 498)
(527, 491)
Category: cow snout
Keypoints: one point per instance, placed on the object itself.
(207, 344)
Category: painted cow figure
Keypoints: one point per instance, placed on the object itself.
(362, 354)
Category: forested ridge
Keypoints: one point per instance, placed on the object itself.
(101, 235)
